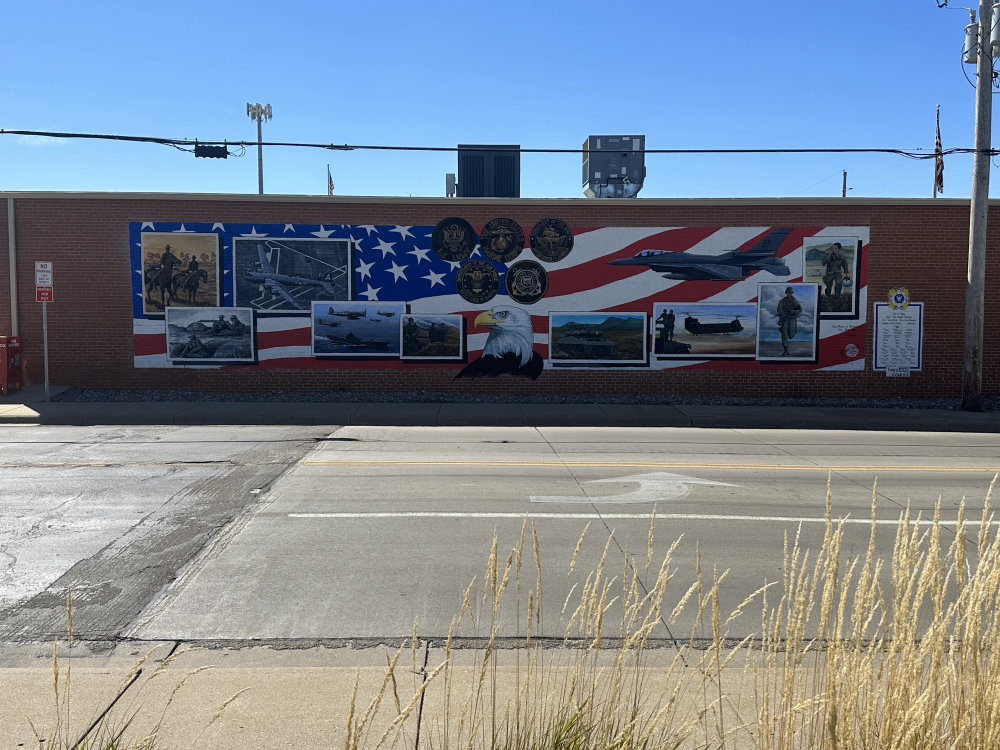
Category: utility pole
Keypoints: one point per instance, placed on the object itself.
(972, 357)
(259, 112)
(843, 188)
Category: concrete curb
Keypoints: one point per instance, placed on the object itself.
(30, 407)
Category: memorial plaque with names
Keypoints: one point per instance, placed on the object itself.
(899, 338)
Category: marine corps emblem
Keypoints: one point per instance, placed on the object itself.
(551, 240)
(502, 240)
(526, 282)
(477, 281)
(453, 239)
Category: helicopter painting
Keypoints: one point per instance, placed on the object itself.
(705, 330)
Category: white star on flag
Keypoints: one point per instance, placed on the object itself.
(386, 248)
(371, 293)
(365, 269)
(421, 253)
(435, 278)
(403, 232)
(399, 272)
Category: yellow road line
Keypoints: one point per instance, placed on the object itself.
(648, 465)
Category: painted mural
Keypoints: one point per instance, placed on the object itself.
(464, 297)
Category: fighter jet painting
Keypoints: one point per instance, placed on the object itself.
(732, 265)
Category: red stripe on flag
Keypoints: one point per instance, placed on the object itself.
(149, 343)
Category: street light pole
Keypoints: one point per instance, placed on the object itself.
(972, 357)
(259, 113)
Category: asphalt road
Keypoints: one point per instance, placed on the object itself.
(313, 534)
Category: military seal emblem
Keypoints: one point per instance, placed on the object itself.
(526, 282)
(477, 281)
(453, 239)
(551, 240)
(899, 299)
(502, 240)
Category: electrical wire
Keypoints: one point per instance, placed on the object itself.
(187, 144)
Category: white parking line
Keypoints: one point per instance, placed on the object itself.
(625, 517)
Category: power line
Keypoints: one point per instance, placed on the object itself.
(187, 144)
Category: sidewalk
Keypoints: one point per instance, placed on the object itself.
(28, 406)
(290, 698)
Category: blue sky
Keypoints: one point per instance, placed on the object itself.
(782, 74)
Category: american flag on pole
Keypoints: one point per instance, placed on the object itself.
(329, 181)
(938, 158)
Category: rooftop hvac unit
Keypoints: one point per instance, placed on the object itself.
(489, 171)
(614, 166)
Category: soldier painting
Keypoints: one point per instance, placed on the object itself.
(433, 337)
(205, 336)
(169, 280)
(787, 322)
(834, 263)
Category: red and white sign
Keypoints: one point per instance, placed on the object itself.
(43, 281)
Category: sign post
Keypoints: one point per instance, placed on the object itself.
(43, 294)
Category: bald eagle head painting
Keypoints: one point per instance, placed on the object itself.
(508, 348)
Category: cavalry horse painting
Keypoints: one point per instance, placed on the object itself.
(188, 281)
(162, 277)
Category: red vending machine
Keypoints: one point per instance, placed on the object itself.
(10, 364)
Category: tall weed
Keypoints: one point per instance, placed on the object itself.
(852, 651)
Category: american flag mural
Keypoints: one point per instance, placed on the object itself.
(280, 270)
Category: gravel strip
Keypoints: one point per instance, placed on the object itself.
(990, 403)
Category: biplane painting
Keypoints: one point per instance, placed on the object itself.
(705, 330)
(180, 270)
(292, 275)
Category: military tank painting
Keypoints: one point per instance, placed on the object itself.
(593, 338)
(588, 344)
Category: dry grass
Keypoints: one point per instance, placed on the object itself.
(126, 722)
(853, 651)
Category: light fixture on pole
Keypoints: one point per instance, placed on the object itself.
(259, 113)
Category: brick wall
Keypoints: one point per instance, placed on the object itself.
(918, 244)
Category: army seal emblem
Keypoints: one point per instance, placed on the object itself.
(502, 240)
(526, 282)
(477, 281)
(453, 239)
(551, 240)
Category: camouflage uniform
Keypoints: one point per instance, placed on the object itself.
(788, 311)
(836, 270)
